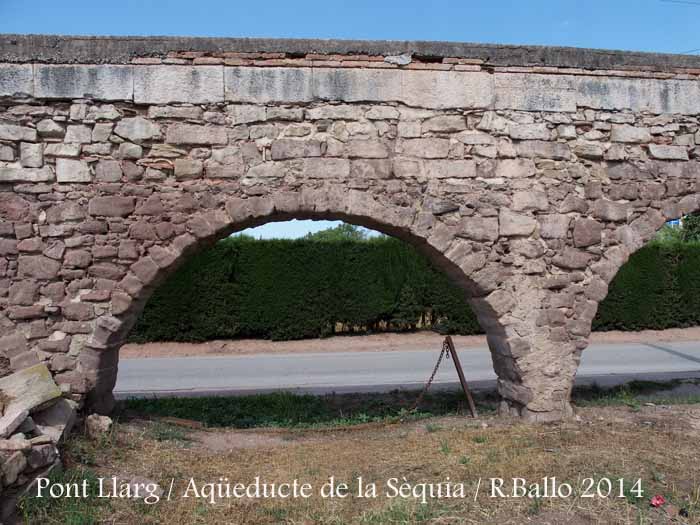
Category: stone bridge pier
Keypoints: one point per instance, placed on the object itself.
(528, 175)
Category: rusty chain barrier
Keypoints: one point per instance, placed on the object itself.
(448, 350)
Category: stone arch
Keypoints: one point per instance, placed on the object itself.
(631, 207)
(529, 187)
(99, 358)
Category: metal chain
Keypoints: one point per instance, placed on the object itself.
(444, 352)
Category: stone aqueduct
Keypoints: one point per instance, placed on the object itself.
(528, 174)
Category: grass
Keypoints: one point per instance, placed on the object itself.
(164, 432)
(66, 511)
(287, 410)
(401, 514)
(662, 456)
(635, 393)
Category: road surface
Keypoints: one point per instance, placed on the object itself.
(605, 364)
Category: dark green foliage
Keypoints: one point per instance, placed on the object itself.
(295, 289)
(658, 288)
(691, 227)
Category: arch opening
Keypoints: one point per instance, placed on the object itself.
(204, 232)
(643, 288)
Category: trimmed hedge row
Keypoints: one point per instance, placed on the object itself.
(295, 289)
(658, 288)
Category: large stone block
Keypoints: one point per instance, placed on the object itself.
(196, 134)
(30, 389)
(188, 169)
(629, 134)
(38, 267)
(610, 211)
(56, 421)
(554, 226)
(167, 84)
(335, 112)
(10, 420)
(14, 173)
(480, 228)
(515, 168)
(31, 154)
(427, 148)
(537, 131)
(111, 206)
(78, 135)
(530, 200)
(428, 89)
(100, 82)
(587, 232)
(446, 89)
(356, 85)
(663, 152)
(246, 113)
(449, 169)
(534, 92)
(15, 132)
(69, 170)
(639, 94)
(292, 149)
(137, 129)
(268, 84)
(16, 79)
(108, 171)
(543, 149)
(368, 169)
(368, 149)
(515, 224)
(572, 259)
(330, 168)
(444, 124)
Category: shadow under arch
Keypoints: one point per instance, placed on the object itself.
(100, 356)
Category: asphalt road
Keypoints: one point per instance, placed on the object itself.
(605, 364)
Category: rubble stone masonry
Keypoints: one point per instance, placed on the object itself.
(529, 175)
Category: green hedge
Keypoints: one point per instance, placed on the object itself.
(658, 288)
(295, 289)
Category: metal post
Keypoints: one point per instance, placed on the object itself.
(460, 373)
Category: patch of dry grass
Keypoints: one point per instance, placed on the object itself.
(657, 444)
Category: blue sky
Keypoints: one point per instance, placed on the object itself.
(668, 26)
(645, 25)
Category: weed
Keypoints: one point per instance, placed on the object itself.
(535, 507)
(445, 447)
(400, 514)
(164, 432)
(431, 428)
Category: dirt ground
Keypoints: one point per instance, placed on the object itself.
(654, 444)
(372, 343)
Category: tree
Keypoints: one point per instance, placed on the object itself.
(691, 227)
(342, 232)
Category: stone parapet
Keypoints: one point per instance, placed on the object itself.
(520, 91)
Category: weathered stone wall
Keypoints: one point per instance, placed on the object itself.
(530, 186)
